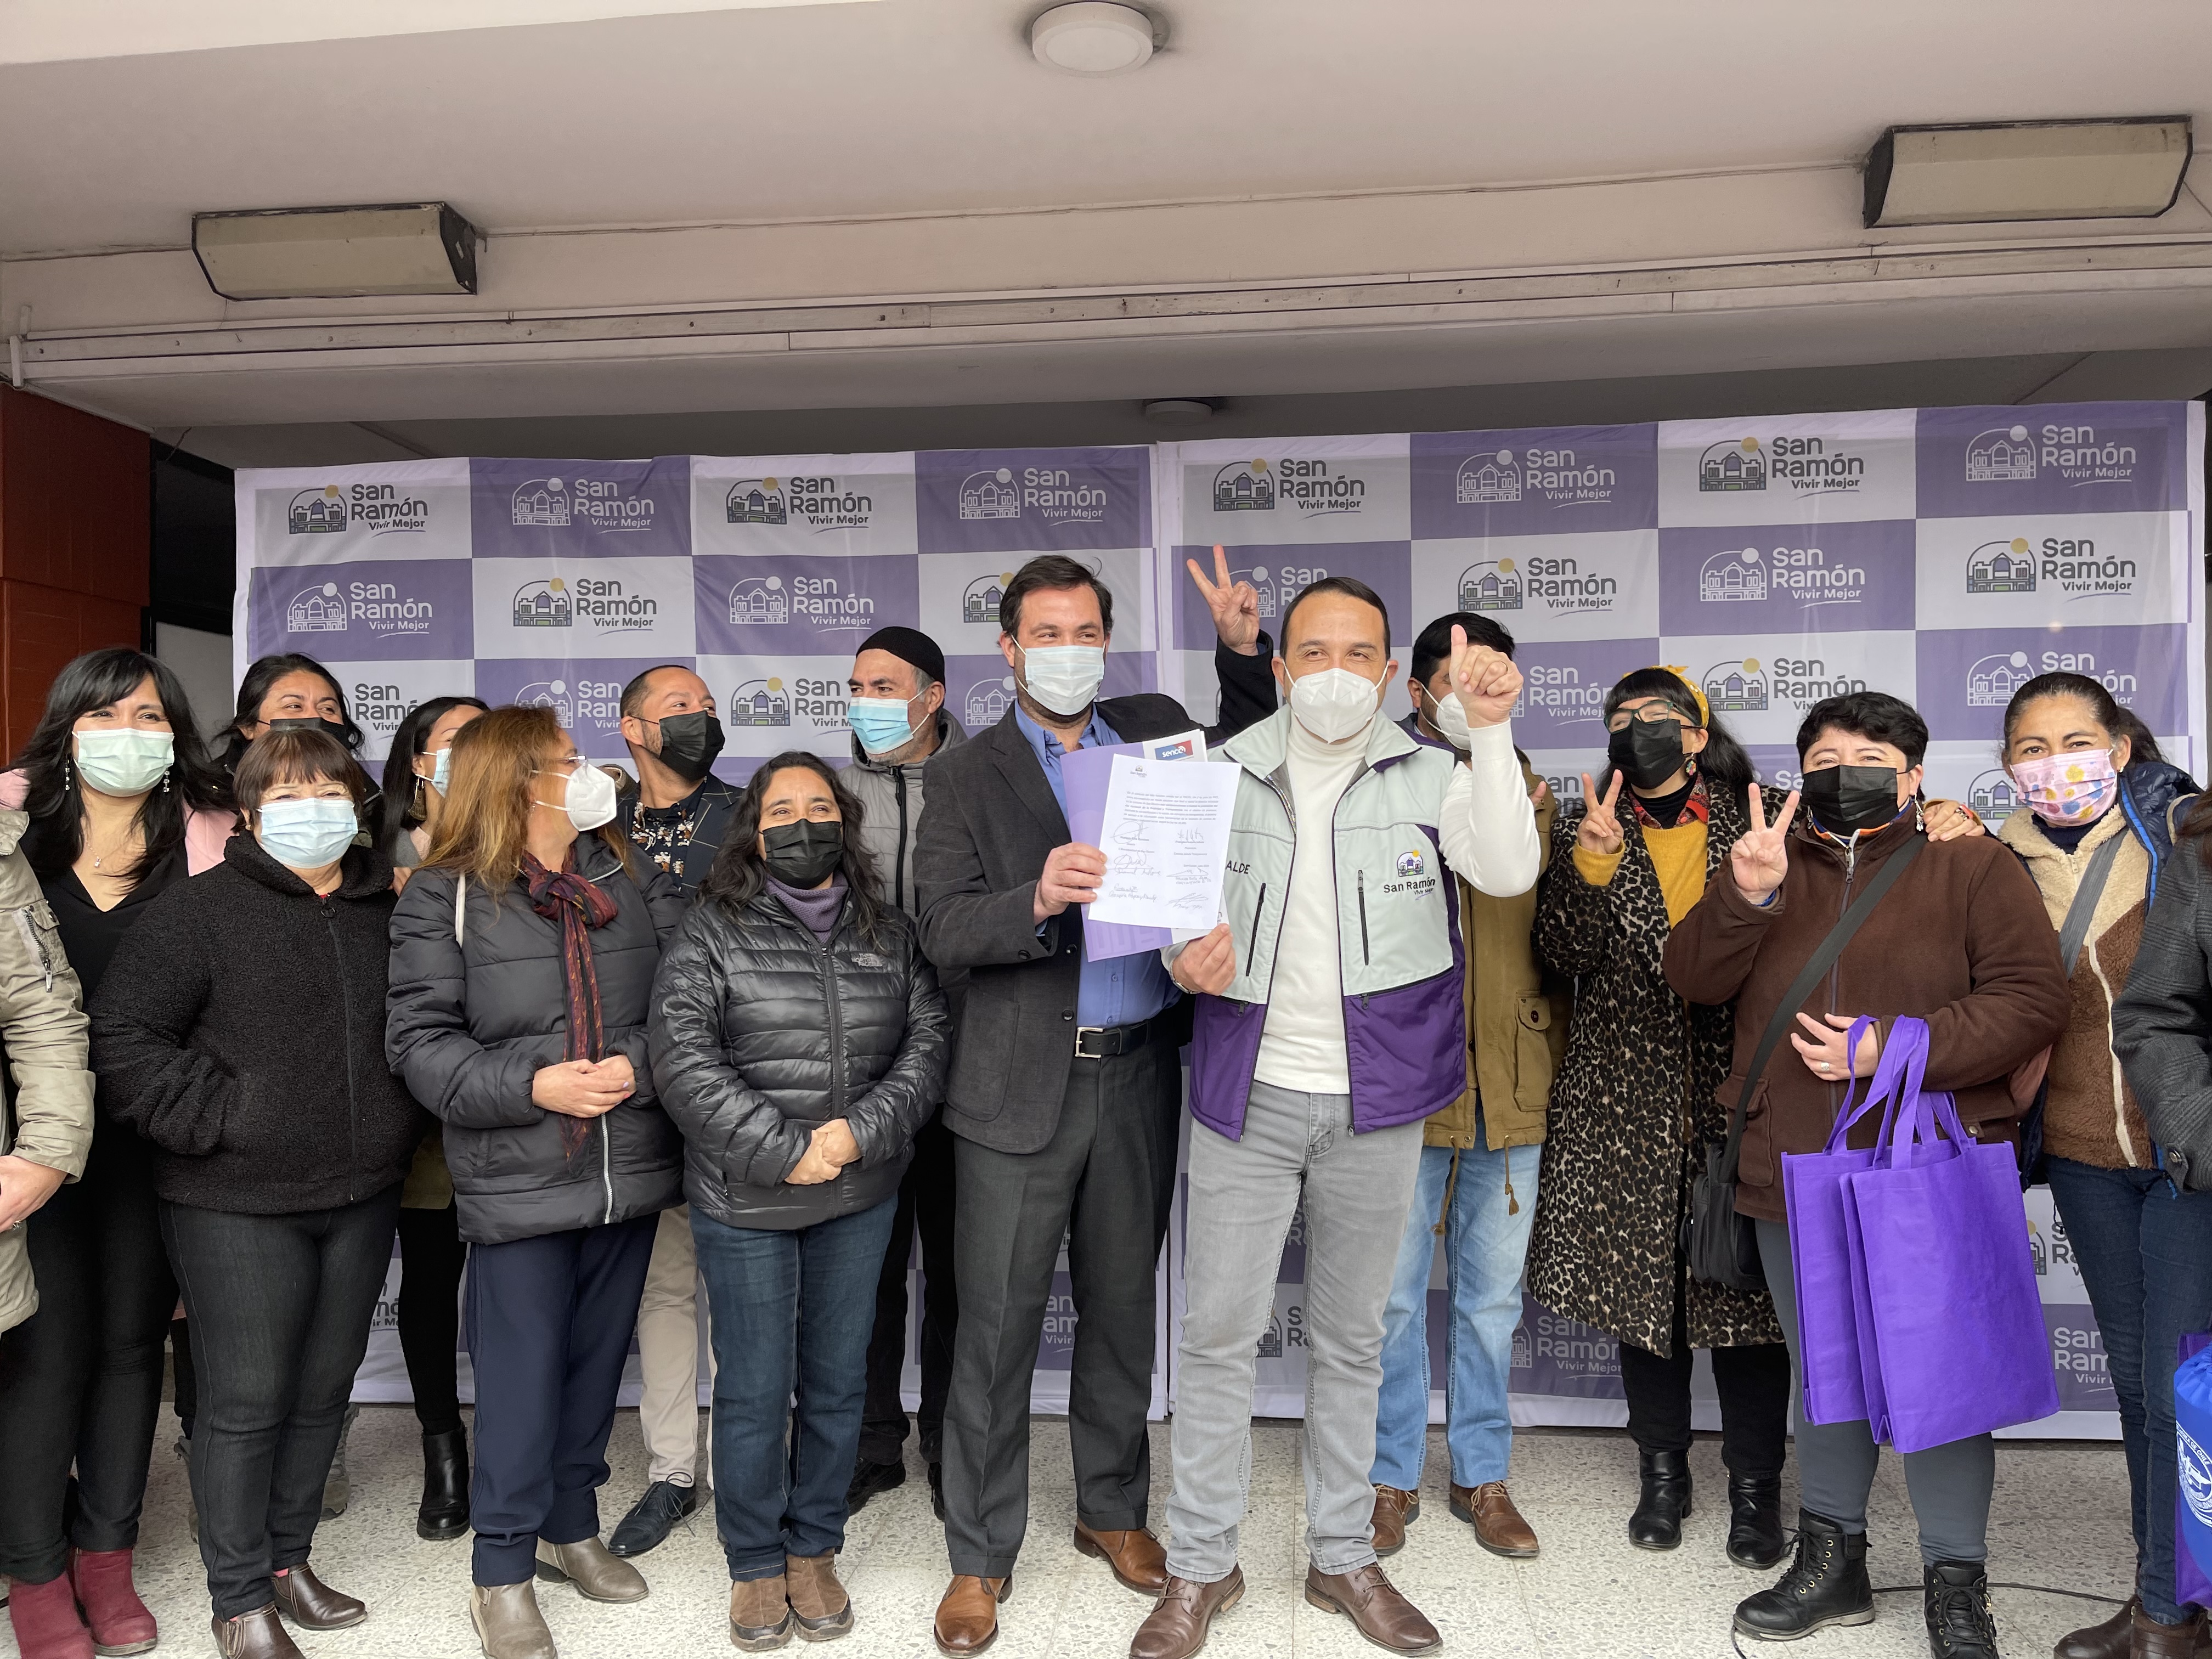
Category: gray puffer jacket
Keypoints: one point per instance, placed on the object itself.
(478, 1006)
(760, 1032)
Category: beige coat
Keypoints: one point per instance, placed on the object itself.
(48, 1118)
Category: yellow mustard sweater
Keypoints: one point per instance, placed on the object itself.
(1678, 855)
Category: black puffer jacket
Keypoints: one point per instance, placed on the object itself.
(471, 1021)
(760, 1032)
(240, 1028)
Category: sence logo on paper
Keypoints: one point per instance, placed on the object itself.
(1313, 487)
(603, 504)
(1805, 466)
(378, 609)
(819, 503)
(1050, 494)
(1186, 750)
(1754, 685)
(2066, 565)
(1991, 680)
(2073, 453)
(1748, 575)
(383, 510)
(598, 603)
(805, 702)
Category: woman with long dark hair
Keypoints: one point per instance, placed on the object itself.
(522, 962)
(799, 1041)
(417, 773)
(124, 804)
(288, 689)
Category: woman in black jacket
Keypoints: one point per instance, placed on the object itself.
(239, 1029)
(799, 1040)
(522, 959)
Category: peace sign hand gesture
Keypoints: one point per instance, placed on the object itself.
(1235, 606)
(1486, 682)
(1600, 829)
(1760, 858)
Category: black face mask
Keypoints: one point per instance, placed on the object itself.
(1646, 752)
(1847, 798)
(689, 743)
(803, 854)
(310, 723)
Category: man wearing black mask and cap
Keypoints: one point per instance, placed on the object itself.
(899, 721)
(675, 820)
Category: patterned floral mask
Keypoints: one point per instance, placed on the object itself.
(2071, 788)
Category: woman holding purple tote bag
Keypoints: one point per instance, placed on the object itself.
(1958, 941)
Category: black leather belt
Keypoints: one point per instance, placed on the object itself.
(1104, 1042)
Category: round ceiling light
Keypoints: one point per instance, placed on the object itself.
(1179, 411)
(1092, 38)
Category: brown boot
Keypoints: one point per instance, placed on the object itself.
(597, 1575)
(760, 1614)
(2109, 1639)
(508, 1621)
(1395, 1511)
(1498, 1525)
(311, 1604)
(2149, 1639)
(1135, 1555)
(968, 1617)
(1368, 1599)
(818, 1602)
(259, 1634)
(1177, 1628)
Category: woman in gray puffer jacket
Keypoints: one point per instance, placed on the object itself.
(799, 1040)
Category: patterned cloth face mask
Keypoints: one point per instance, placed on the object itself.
(2072, 788)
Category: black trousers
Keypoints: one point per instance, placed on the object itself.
(431, 1257)
(81, 1379)
(925, 1206)
(1104, 1182)
(279, 1306)
(1753, 1384)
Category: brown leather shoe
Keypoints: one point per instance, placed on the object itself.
(1395, 1511)
(760, 1613)
(311, 1604)
(1374, 1608)
(1498, 1525)
(968, 1617)
(1177, 1628)
(259, 1634)
(1136, 1557)
(2109, 1639)
(2148, 1639)
(818, 1602)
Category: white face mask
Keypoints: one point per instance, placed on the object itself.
(1449, 718)
(1334, 703)
(589, 799)
(124, 764)
(442, 770)
(1065, 678)
(307, 834)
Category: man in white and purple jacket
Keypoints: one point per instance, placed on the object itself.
(1330, 1021)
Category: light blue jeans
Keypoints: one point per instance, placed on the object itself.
(1485, 1242)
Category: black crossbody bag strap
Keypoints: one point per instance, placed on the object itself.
(1808, 979)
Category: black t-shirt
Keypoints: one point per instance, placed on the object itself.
(90, 934)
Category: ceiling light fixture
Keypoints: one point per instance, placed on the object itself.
(1095, 38)
(1179, 411)
(1985, 172)
(337, 252)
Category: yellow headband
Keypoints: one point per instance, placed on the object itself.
(1705, 709)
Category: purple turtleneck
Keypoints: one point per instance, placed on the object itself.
(817, 909)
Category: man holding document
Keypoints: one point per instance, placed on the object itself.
(1329, 1023)
(1064, 1088)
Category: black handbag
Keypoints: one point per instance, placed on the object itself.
(1721, 1246)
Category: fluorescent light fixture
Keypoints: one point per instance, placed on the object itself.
(1973, 174)
(1094, 38)
(337, 252)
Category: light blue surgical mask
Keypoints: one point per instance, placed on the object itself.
(442, 770)
(880, 723)
(307, 834)
(124, 763)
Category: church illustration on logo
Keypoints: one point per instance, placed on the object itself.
(1993, 794)
(1993, 679)
(548, 694)
(990, 496)
(541, 503)
(1736, 687)
(980, 603)
(1496, 479)
(1733, 467)
(754, 501)
(2001, 568)
(543, 605)
(2002, 454)
(317, 513)
(1490, 586)
(316, 610)
(1731, 577)
(1244, 487)
(760, 702)
(758, 600)
(988, 701)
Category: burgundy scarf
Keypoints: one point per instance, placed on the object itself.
(578, 906)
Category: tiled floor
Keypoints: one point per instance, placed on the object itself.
(2061, 1519)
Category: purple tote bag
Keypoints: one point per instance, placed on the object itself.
(1821, 1249)
(1961, 1346)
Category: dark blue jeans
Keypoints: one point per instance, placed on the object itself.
(793, 1309)
(2145, 1252)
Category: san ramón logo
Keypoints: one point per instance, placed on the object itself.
(1754, 685)
(990, 494)
(1736, 687)
(1313, 487)
(604, 504)
(1490, 477)
(1492, 585)
(1244, 487)
(1991, 680)
(1524, 1350)
(2000, 455)
(1807, 466)
(760, 702)
(1271, 1339)
(988, 701)
(979, 603)
(601, 602)
(759, 601)
(2068, 451)
(2000, 567)
(754, 501)
(1731, 577)
(2195, 1468)
(1556, 583)
(382, 509)
(1802, 573)
(819, 601)
(543, 604)
(1410, 863)
(1260, 578)
(810, 704)
(1558, 477)
(541, 504)
(1732, 466)
(819, 503)
(317, 512)
(316, 610)
(548, 694)
(1993, 794)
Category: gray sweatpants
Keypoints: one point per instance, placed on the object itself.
(1244, 1193)
(1950, 1483)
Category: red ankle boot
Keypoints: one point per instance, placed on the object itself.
(120, 1623)
(46, 1621)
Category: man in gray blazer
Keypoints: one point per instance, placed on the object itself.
(1065, 1090)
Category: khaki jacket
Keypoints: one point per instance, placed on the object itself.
(1516, 1023)
(48, 1115)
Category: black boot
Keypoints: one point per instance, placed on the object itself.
(1957, 1597)
(444, 1511)
(1825, 1585)
(1664, 1503)
(1754, 1538)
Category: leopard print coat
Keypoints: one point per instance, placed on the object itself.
(1631, 1105)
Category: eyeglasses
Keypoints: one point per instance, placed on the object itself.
(1650, 713)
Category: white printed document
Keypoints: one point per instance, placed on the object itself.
(1166, 839)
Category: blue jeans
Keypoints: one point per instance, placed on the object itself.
(2145, 1252)
(1485, 1242)
(793, 1309)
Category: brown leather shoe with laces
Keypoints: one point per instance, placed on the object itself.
(1177, 1627)
(1498, 1525)
(1395, 1510)
(1137, 1559)
(968, 1617)
(1374, 1608)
